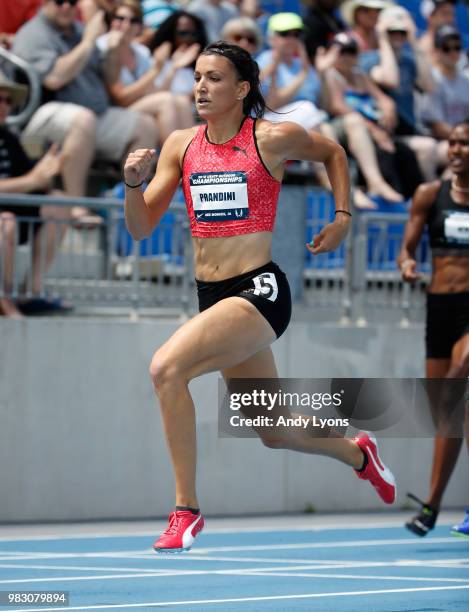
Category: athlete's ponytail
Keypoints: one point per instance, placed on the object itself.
(247, 69)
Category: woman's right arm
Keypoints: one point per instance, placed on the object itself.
(419, 211)
(143, 211)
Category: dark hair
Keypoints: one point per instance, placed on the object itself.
(133, 5)
(247, 70)
(166, 31)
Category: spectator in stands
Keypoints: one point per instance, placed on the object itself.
(182, 37)
(80, 117)
(244, 32)
(362, 17)
(13, 14)
(88, 8)
(214, 14)
(448, 104)
(436, 13)
(18, 174)
(322, 23)
(248, 8)
(367, 116)
(134, 86)
(290, 84)
(414, 71)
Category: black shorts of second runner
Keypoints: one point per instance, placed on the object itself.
(266, 287)
(25, 215)
(447, 322)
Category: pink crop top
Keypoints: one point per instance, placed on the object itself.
(227, 188)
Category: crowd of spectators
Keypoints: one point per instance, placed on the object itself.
(117, 75)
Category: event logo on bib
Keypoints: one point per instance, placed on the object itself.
(457, 227)
(219, 196)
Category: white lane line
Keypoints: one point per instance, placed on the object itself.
(340, 544)
(351, 576)
(93, 568)
(242, 599)
(162, 573)
(327, 564)
(154, 574)
(216, 530)
(149, 554)
(126, 554)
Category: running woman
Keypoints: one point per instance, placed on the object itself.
(444, 208)
(231, 170)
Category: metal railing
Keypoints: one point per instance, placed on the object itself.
(100, 268)
(359, 282)
(377, 287)
(103, 269)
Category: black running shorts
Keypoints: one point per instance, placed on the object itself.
(266, 287)
(447, 322)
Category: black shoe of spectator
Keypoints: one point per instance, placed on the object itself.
(43, 306)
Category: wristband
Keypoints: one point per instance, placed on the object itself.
(346, 212)
(133, 186)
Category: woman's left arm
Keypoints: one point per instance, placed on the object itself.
(284, 141)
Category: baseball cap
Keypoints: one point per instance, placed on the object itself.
(443, 33)
(282, 22)
(344, 40)
(395, 18)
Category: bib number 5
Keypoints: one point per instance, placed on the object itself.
(265, 285)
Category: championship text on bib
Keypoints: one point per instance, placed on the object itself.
(219, 196)
(457, 227)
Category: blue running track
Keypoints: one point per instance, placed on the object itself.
(292, 566)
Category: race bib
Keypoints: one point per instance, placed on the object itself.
(266, 286)
(456, 227)
(219, 196)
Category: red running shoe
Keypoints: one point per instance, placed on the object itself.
(183, 526)
(375, 471)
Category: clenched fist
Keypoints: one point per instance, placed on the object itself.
(138, 165)
(330, 237)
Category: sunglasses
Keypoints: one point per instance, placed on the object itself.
(187, 33)
(247, 37)
(6, 100)
(133, 20)
(450, 48)
(290, 33)
(398, 32)
(62, 2)
(349, 51)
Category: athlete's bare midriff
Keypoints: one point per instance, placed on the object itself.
(220, 258)
(450, 274)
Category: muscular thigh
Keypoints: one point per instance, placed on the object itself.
(224, 335)
(460, 356)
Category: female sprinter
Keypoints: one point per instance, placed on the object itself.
(231, 170)
(444, 208)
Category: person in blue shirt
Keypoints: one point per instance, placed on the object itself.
(290, 84)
